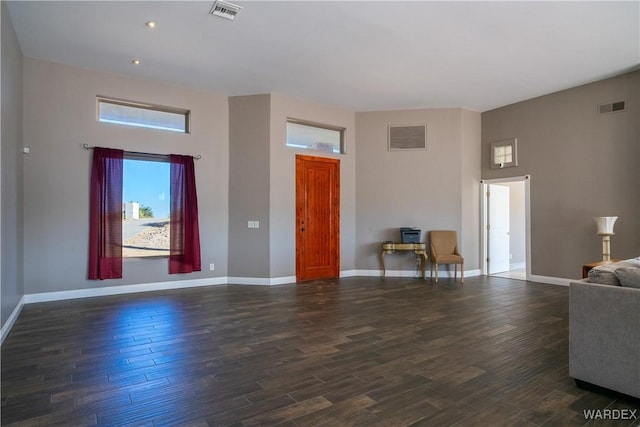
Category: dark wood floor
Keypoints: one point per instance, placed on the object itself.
(358, 351)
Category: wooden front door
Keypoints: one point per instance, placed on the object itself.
(317, 218)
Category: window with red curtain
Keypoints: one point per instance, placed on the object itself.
(184, 252)
(105, 214)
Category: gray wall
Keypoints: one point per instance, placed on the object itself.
(249, 141)
(11, 223)
(283, 181)
(433, 189)
(582, 164)
(470, 188)
(60, 115)
(263, 187)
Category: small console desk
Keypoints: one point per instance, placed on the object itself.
(418, 248)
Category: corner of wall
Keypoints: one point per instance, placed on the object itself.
(11, 202)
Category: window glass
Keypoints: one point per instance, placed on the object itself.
(311, 136)
(502, 154)
(142, 115)
(145, 210)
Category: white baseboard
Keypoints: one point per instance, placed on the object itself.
(411, 273)
(124, 289)
(261, 281)
(472, 273)
(349, 273)
(550, 280)
(6, 328)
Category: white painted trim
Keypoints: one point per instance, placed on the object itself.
(484, 219)
(282, 280)
(368, 273)
(412, 273)
(6, 328)
(467, 273)
(472, 273)
(550, 280)
(124, 289)
(252, 281)
(348, 273)
(261, 281)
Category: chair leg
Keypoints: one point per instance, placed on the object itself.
(455, 272)
(462, 273)
(436, 272)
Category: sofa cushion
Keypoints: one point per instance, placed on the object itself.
(629, 277)
(634, 261)
(605, 274)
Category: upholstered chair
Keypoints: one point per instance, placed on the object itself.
(444, 250)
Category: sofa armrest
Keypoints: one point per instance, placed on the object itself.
(604, 336)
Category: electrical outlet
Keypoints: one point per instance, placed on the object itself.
(212, 267)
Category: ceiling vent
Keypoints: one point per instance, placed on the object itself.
(613, 107)
(225, 10)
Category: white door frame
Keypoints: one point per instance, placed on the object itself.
(484, 219)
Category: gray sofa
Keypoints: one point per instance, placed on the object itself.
(604, 328)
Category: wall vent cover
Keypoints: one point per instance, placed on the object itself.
(225, 10)
(612, 107)
(407, 137)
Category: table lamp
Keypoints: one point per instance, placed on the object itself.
(605, 229)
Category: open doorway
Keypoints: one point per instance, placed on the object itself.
(506, 228)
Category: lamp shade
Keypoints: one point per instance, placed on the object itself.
(605, 224)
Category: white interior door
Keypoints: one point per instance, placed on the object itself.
(498, 230)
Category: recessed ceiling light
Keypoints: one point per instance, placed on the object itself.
(150, 24)
(136, 62)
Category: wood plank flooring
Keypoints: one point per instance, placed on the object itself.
(349, 352)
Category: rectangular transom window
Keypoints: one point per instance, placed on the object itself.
(315, 136)
(504, 154)
(142, 115)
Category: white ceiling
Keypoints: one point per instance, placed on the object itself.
(357, 55)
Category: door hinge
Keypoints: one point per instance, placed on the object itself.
(488, 226)
(487, 259)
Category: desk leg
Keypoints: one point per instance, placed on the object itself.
(423, 263)
(384, 269)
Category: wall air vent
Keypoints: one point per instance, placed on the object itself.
(407, 137)
(613, 107)
(225, 10)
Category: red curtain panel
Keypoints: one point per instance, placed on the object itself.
(105, 214)
(184, 252)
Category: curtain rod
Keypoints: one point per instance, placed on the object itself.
(87, 147)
